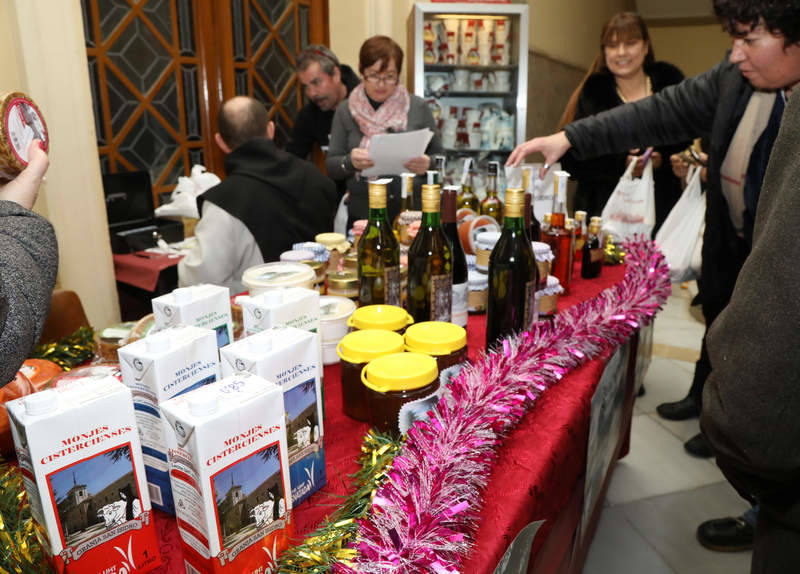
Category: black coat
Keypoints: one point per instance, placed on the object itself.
(597, 177)
(711, 103)
(281, 199)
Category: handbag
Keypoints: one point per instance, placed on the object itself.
(680, 238)
(631, 208)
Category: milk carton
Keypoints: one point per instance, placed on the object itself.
(156, 368)
(82, 468)
(206, 306)
(294, 307)
(289, 357)
(230, 475)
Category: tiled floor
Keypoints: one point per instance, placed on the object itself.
(659, 493)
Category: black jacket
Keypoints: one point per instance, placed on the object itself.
(597, 177)
(281, 199)
(314, 125)
(712, 103)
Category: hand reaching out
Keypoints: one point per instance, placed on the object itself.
(552, 147)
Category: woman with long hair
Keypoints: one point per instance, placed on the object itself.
(624, 71)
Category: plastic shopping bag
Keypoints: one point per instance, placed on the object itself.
(680, 238)
(631, 209)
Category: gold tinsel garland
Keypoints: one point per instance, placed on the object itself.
(70, 351)
(614, 253)
(327, 545)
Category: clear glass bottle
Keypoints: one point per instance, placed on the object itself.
(557, 237)
(460, 278)
(546, 223)
(491, 204)
(467, 197)
(378, 254)
(430, 265)
(406, 202)
(513, 275)
(439, 162)
(592, 253)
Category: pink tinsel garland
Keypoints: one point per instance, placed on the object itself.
(422, 519)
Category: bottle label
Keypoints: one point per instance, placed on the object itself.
(391, 286)
(596, 254)
(460, 303)
(531, 309)
(441, 297)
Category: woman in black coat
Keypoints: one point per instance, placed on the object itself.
(624, 71)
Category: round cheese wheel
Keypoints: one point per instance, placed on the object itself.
(20, 123)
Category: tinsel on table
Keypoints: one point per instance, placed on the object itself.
(328, 544)
(424, 517)
(70, 351)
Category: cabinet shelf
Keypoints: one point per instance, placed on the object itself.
(452, 67)
(452, 94)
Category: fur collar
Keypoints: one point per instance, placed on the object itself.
(601, 88)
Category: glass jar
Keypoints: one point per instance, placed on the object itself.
(343, 284)
(319, 267)
(544, 258)
(445, 342)
(394, 380)
(355, 350)
(485, 242)
(548, 298)
(478, 292)
(382, 317)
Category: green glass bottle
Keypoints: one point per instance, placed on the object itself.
(513, 275)
(430, 265)
(378, 254)
(491, 204)
(467, 197)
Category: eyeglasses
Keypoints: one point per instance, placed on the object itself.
(388, 79)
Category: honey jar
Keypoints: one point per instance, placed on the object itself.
(445, 342)
(383, 317)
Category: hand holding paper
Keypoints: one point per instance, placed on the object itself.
(390, 152)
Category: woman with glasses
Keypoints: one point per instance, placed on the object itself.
(380, 104)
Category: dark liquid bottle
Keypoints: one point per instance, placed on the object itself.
(460, 282)
(430, 265)
(513, 275)
(557, 237)
(378, 254)
(531, 223)
(467, 197)
(592, 261)
(491, 204)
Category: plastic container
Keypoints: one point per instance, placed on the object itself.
(278, 274)
(485, 242)
(319, 267)
(355, 351)
(445, 342)
(478, 292)
(393, 381)
(334, 316)
(544, 258)
(296, 256)
(382, 317)
(329, 355)
(342, 284)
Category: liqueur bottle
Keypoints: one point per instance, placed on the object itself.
(569, 225)
(580, 232)
(557, 237)
(513, 275)
(378, 254)
(491, 204)
(430, 265)
(546, 223)
(460, 281)
(531, 223)
(592, 261)
(467, 197)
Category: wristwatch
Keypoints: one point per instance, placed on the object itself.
(347, 164)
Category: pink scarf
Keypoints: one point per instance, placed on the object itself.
(392, 114)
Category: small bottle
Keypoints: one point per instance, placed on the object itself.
(439, 164)
(491, 204)
(592, 256)
(531, 223)
(569, 225)
(460, 277)
(378, 254)
(467, 197)
(557, 237)
(513, 275)
(430, 265)
(580, 233)
(546, 223)
(432, 177)
(406, 198)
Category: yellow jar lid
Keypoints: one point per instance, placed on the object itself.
(364, 346)
(399, 372)
(435, 338)
(330, 239)
(388, 317)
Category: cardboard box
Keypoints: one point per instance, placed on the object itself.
(81, 462)
(207, 306)
(230, 475)
(164, 365)
(293, 307)
(290, 357)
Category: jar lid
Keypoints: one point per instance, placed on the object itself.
(277, 274)
(387, 317)
(332, 308)
(542, 251)
(369, 344)
(342, 279)
(477, 281)
(330, 240)
(400, 372)
(298, 255)
(435, 338)
(487, 240)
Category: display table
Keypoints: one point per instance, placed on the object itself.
(141, 276)
(538, 474)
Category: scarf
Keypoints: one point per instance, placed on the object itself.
(391, 115)
(734, 167)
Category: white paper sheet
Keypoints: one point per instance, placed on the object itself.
(390, 151)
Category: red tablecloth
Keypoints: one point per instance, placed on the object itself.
(533, 478)
(141, 269)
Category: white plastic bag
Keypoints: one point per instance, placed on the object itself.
(631, 208)
(183, 201)
(680, 238)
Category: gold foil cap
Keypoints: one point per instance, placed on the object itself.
(569, 223)
(377, 195)
(342, 279)
(431, 198)
(546, 217)
(596, 219)
(515, 202)
(580, 216)
(594, 227)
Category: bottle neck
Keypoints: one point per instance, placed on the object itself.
(491, 186)
(557, 220)
(377, 214)
(431, 219)
(514, 223)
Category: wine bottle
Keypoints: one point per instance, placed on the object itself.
(430, 265)
(531, 223)
(460, 280)
(378, 254)
(491, 204)
(513, 275)
(592, 256)
(557, 237)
